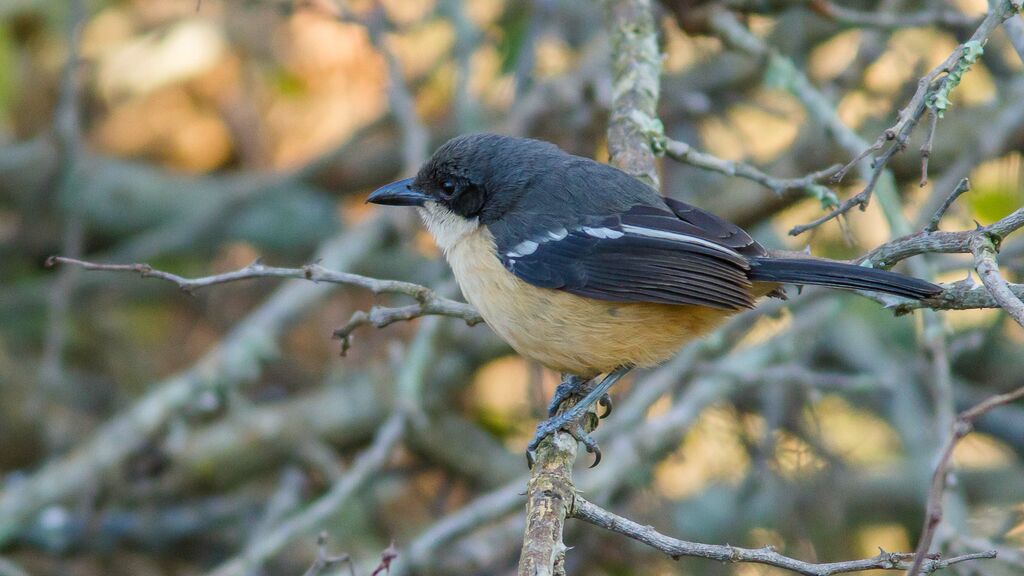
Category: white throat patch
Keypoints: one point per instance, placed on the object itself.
(447, 227)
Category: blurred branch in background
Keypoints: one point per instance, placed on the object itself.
(220, 431)
(66, 132)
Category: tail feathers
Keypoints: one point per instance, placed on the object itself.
(839, 275)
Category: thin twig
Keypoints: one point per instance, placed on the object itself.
(675, 548)
(961, 188)
(415, 137)
(809, 184)
(428, 302)
(234, 361)
(963, 426)
(937, 16)
(389, 555)
(926, 148)
(896, 136)
(788, 76)
(324, 561)
(362, 471)
(888, 254)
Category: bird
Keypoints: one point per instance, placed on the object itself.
(589, 271)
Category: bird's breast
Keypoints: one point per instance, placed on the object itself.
(565, 332)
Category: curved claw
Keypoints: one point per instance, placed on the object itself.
(606, 403)
(590, 444)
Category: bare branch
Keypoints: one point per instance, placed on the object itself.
(963, 426)
(937, 16)
(234, 361)
(675, 548)
(786, 75)
(961, 188)
(362, 470)
(984, 250)
(67, 132)
(926, 148)
(428, 302)
(888, 254)
(636, 84)
(632, 127)
(809, 185)
(386, 558)
(932, 94)
(325, 561)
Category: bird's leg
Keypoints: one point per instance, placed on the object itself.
(569, 421)
(573, 385)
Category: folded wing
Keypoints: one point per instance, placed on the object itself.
(672, 255)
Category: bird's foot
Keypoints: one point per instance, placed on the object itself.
(565, 422)
(576, 386)
(571, 419)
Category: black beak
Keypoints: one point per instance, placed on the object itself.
(399, 193)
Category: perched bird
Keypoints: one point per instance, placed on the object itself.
(589, 271)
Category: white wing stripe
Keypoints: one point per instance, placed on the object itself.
(527, 247)
(665, 235)
(524, 248)
(606, 233)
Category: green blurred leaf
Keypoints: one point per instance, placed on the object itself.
(514, 25)
(991, 203)
(287, 84)
(7, 80)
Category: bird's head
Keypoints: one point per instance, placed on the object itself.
(470, 181)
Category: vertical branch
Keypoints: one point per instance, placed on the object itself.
(636, 69)
(415, 138)
(549, 496)
(467, 112)
(66, 128)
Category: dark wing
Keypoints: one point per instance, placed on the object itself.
(647, 254)
(710, 227)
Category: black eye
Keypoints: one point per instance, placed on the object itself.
(447, 189)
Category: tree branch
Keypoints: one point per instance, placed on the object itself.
(636, 85)
(365, 466)
(633, 125)
(809, 185)
(932, 94)
(428, 302)
(233, 361)
(984, 250)
(963, 426)
(675, 548)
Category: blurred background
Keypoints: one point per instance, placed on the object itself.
(148, 431)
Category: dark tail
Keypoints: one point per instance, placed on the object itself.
(839, 275)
